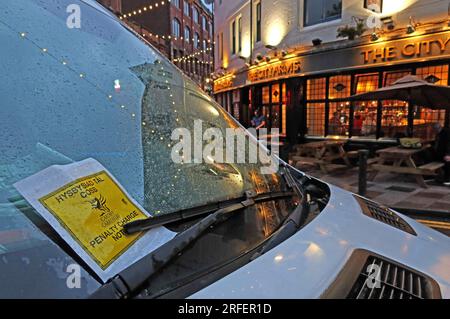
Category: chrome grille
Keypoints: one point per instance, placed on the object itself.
(380, 279)
(384, 215)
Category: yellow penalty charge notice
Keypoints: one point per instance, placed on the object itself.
(94, 209)
(88, 208)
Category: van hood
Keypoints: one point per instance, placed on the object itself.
(306, 264)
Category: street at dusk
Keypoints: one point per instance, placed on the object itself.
(238, 157)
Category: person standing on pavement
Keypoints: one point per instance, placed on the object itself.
(258, 120)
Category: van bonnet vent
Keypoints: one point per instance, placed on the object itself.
(384, 215)
(381, 279)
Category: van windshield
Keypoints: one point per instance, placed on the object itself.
(98, 91)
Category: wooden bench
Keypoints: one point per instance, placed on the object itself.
(399, 160)
(432, 167)
(427, 169)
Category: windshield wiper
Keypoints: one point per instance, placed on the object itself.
(128, 281)
(182, 215)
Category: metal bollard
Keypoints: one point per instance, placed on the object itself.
(362, 180)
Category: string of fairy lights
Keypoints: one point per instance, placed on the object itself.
(188, 58)
(144, 9)
(194, 55)
(84, 76)
(171, 37)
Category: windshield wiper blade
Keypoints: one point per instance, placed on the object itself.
(128, 281)
(161, 220)
(297, 186)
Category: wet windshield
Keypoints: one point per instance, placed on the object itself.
(98, 91)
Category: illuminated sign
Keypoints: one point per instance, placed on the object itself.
(274, 70)
(418, 49)
(223, 84)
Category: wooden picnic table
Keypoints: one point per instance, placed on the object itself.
(323, 153)
(400, 160)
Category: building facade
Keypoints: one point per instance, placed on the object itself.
(285, 58)
(181, 29)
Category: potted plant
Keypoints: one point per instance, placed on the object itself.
(350, 31)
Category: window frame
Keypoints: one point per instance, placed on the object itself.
(195, 15)
(258, 22)
(233, 36)
(305, 14)
(187, 34)
(379, 79)
(186, 8)
(204, 23)
(197, 40)
(239, 32)
(177, 3)
(176, 22)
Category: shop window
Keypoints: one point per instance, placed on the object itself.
(266, 94)
(315, 119)
(394, 119)
(340, 87)
(276, 93)
(339, 119)
(366, 83)
(394, 114)
(365, 119)
(437, 74)
(425, 118)
(391, 77)
(316, 89)
(424, 121)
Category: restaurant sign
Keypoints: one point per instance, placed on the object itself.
(420, 47)
(223, 83)
(274, 70)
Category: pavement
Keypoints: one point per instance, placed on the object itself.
(392, 190)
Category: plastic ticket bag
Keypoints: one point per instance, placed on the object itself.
(88, 207)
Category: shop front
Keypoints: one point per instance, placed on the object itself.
(306, 95)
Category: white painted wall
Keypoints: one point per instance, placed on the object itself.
(282, 23)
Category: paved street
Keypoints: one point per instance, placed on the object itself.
(396, 191)
(391, 190)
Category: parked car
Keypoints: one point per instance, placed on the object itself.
(102, 92)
